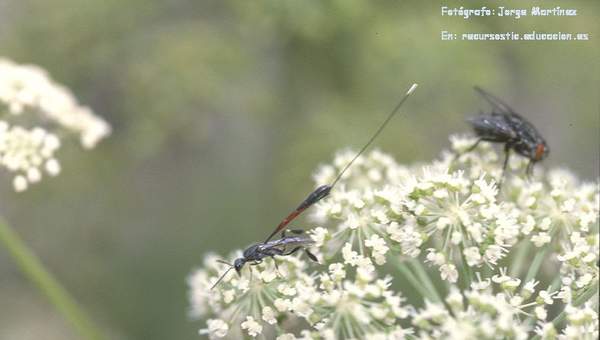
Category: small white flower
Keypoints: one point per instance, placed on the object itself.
(337, 271)
(503, 277)
(472, 256)
(20, 183)
(480, 284)
(268, 314)
(52, 167)
(449, 273)
(34, 175)
(216, 327)
(540, 313)
(252, 327)
(529, 288)
(379, 248)
(545, 297)
(440, 193)
(286, 289)
(282, 305)
(436, 258)
(541, 239)
(443, 222)
(319, 235)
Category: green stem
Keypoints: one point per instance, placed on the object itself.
(33, 269)
(580, 300)
(536, 264)
(519, 259)
(422, 274)
(407, 273)
(467, 273)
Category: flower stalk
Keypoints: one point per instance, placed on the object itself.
(34, 270)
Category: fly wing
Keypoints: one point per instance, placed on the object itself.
(493, 128)
(498, 104)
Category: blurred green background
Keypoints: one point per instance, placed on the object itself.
(221, 111)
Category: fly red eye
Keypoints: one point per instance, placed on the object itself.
(539, 151)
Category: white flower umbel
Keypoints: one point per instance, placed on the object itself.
(35, 111)
(515, 263)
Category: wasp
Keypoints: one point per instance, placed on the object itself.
(504, 125)
(259, 251)
(286, 245)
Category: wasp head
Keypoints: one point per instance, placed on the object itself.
(238, 264)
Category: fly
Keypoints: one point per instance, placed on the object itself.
(504, 125)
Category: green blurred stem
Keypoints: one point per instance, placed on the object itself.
(520, 259)
(467, 273)
(33, 269)
(580, 300)
(408, 274)
(422, 274)
(536, 264)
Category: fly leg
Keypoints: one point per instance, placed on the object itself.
(529, 170)
(507, 147)
(471, 148)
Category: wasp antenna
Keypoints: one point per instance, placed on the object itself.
(225, 262)
(323, 191)
(221, 278)
(381, 127)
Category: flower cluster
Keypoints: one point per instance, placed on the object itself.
(512, 263)
(344, 301)
(36, 111)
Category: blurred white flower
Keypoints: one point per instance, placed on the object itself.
(27, 94)
(217, 328)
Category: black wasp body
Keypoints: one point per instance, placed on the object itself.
(504, 125)
(286, 245)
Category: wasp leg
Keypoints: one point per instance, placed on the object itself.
(506, 157)
(292, 251)
(311, 256)
(471, 148)
(254, 263)
(293, 231)
(277, 268)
